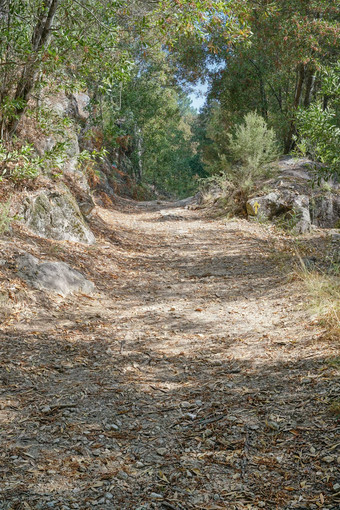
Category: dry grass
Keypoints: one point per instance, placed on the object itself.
(324, 293)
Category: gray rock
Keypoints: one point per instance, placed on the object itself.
(56, 277)
(80, 102)
(86, 205)
(296, 199)
(285, 203)
(325, 209)
(56, 215)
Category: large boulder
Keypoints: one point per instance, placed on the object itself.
(56, 277)
(283, 203)
(54, 214)
(73, 106)
(297, 199)
(67, 105)
(325, 210)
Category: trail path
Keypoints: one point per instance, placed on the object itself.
(194, 379)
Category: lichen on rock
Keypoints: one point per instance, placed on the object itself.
(55, 215)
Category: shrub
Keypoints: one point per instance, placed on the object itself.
(253, 146)
(320, 136)
(319, 124)
(19, 164)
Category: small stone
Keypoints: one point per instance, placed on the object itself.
(46, 409)
(108, 495)
(336, 486)
(338, 460)
(162, 451)
(191, 416)
(199, 403)
(122, 475)
(154, 495)
(312, 450)
(112, 426)
(328, 459)
(208, 432)
(185, 405)
(217, 363)
(139, 464)
(261, 504)
(232, 418)
(254, 427)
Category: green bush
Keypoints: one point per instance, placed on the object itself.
(18, 164)
(320, 137)
(319, 124)
(253, 146)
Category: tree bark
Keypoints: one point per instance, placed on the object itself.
(297, 101)
(40, 38)
(139, 153)
(310, 84)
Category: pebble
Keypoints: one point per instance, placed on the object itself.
(208, 432)
(139, 464)
(185, 404)
(112, 426)
(232, 418)
(217, 363)
(261, 504)
(162, 451)
(108, 495)
(46, 409)
(191, 416)
(154, 495)
(328, 459)
(336, 486)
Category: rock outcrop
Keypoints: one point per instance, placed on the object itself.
(296, 199)
(55, 214)
(56, 277)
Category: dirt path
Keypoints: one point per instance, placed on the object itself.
(194, 379)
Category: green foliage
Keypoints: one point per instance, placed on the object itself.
(320, 136)
(253, 145)
(319, 125)
(19, 163)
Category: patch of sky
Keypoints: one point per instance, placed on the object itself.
(198, 95)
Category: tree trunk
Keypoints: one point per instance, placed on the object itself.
(264, 101)
(297, 101)
(310, 84)
(139, 153)
(40, 38)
